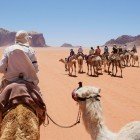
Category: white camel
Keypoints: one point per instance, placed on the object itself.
(89, 102)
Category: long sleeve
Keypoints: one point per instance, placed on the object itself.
(34, 60)
(3, 63)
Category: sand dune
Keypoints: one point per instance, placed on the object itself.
(120, 97)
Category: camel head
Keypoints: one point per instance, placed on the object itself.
(86, 92)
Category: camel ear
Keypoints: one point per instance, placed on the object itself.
(96, 92)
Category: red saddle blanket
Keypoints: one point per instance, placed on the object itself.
(22, 92)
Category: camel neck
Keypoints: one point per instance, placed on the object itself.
(93, 121)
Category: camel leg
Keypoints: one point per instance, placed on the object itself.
(112, 69)
(116, 69)
(71, 70)
(120, 69)
(109, 67)
(75, 68)
(90, 70)
(87, 69)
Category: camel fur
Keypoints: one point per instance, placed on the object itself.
(20, 123)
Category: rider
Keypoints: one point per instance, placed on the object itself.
(120, 51)
(80, 51)
(124, 49)
(71, 53)
(134, 49)
(91, 51)
(98, 51)
(114, 49)
(106, 51)
(25, 65)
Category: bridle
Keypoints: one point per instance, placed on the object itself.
(78, 115)
(84, 99)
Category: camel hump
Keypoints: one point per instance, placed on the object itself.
(22, 92)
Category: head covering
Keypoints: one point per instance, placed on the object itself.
(22, 36)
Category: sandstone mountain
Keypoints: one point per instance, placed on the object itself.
(125, 39)
(8, 38)
(69, 45)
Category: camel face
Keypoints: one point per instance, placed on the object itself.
(85, 93)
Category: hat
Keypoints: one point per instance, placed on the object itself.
(22, 35)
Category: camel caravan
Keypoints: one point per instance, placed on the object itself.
(119, 58)
(88, 98)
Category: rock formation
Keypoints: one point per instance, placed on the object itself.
(125, 39)
(8, 38)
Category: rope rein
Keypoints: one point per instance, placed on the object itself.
(49, 118)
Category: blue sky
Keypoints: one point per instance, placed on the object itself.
(79, 22)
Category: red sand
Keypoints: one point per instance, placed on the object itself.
(120, 97)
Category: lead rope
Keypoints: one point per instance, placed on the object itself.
(77, 121)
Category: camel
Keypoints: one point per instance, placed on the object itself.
(125, 58)
(134, 57)
(22, 111)
(93, 62)
(104, 58)
(115, 60)
(70, 65)
(80, 62)
(20, 123)
(89, 103)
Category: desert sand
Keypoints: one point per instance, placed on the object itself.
(120, 96)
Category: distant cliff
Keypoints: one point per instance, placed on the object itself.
(8, 38)
(125, 39)
(69, 45)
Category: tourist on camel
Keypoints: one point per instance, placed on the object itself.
(72, 53)
(91, 52)
(106, 51)
(134, 49)
(19, 83)
(120, 50)
(98, 51)
(124, 49)
(114, 51)
(19, 61)
(80, 52)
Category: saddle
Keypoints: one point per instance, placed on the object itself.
(115, 56)
(22, 92)
(80, 54)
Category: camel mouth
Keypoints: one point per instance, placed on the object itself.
(74, 95)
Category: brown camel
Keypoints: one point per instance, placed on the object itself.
(134, 58)
(20, 123)
(80, 58)
(105, 61)
(70, 65)
(22, 111)
(125, 58)
(115, 60)
(93, 63)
